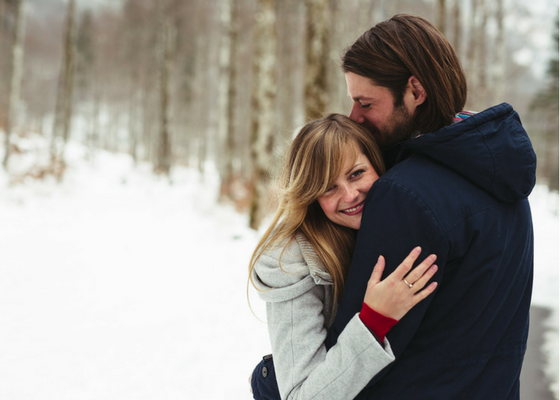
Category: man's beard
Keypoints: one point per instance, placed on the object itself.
(400, 127)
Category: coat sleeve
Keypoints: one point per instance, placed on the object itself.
(304, 367)
(394, 222)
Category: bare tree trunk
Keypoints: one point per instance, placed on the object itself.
(2, 16)
(4, 70)
(441, 16)
(471, 56)
(148, 123)
(482, 62)
(226, 91)
(246, 79)
(133, 118)
(292, 26)
(457, 26)
(229, 78)
(263, 100)
(499, 76)
(338, 38)
(16, 77)
(318, 21)
(201, 87)
(162, 164)
(70, 51)
(93, 139)
(63, 113)
(85, 75)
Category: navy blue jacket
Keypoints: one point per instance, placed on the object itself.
(461, 193)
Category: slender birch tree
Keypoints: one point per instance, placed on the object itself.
(16, 77)
(499, 70)
(482, 59)
(162, 164)
(318, 22)
(63, 113)
(441, 13)
(263, 101)
(69, 69)
(457, 26)
(228, 75)
(133, 41)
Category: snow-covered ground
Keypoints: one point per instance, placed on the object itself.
(116, 284)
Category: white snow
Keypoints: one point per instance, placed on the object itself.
(119, 285)
(116, 284)
(544, 206)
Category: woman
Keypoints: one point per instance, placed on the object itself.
(300, 265)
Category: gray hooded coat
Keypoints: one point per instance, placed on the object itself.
(299, 311)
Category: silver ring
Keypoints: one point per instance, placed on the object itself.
(409, 284)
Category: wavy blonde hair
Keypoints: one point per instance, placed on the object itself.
(315, 158)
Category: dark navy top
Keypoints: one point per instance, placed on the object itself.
(461, 193)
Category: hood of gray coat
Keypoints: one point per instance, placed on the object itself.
(491, 149)
(288, 271)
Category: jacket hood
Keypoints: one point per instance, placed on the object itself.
(491, 149)
(286, 272)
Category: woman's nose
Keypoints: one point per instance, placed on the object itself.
(350, 194)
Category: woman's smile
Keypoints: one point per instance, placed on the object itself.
(343, 202)
(354, 210)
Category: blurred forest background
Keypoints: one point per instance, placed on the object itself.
(221, 85)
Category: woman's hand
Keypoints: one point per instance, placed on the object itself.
(399, 292)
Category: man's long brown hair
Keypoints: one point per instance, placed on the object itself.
(405, 45)
(314, 160)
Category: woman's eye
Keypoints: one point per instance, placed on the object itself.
(365, 105)
(357, 173)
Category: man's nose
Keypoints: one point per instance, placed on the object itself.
(356, 113)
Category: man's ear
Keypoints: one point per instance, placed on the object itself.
(417, 90)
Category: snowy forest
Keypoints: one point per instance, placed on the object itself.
(184, 83)
(140, 143)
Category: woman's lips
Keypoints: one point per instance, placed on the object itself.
(353, 210)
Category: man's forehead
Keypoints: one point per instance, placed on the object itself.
(359, 92)
(358, 97)
(359, 87)
(366, 93)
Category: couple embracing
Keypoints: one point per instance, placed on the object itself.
(399, 263)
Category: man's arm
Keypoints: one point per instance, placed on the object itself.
(395, 220)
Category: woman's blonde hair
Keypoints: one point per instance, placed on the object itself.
(315, 158)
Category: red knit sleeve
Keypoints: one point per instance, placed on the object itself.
(377, 323)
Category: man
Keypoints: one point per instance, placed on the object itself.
(457, 186)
